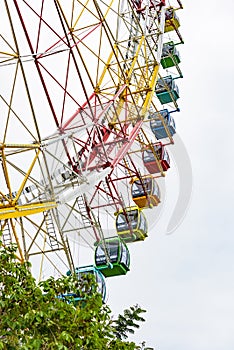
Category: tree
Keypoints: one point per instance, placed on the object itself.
(126, 322)
(38, 317)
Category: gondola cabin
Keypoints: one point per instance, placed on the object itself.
(112, 257)
(131, 224)
(162, 124)
(170, 55)
(153, 160)
(80, 273)
(166, 90)
(172, 21)
(145, 192)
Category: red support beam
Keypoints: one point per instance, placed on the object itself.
(128, 143)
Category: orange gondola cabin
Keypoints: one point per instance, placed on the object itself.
(145, 192)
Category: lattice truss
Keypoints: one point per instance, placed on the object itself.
(79, 83)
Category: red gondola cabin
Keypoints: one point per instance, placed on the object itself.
(153, 160)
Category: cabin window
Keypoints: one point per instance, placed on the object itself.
(137, 190)
(133, 218)
(121, 222)
(156, 190)
(100, 256)
(142, 225)
(166, 157)
(124, 255)
(112, 249)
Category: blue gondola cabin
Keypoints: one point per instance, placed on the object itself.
(131, 224)
(145, 192)
(162, 124)
(112, 257)
(166, 90)
(77, 296)
(156, 161)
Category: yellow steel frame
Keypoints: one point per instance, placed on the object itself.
(138, 79)
(142, 81)
(9, 208)
(131, 88)
(16, 211)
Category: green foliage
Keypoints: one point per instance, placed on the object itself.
(127, 322)
(34, 317)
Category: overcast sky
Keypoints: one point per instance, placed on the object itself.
(185, 280)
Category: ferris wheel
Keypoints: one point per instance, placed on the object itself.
(86, 106)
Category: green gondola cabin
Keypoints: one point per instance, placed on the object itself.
(112, 257)
(170, 55)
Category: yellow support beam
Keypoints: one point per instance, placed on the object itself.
(17, 241)
(26, 178)
(9, 54)
(16, 211)
(107, 65)
(27, 146)
(79, 16)
(151, 91)
(135, 58)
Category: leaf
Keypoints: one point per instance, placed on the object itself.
(34, 317)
